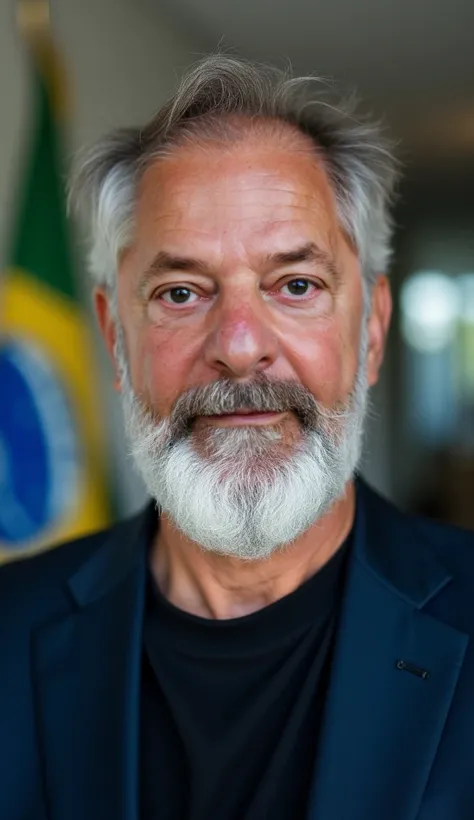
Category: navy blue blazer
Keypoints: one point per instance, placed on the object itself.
(398, 738)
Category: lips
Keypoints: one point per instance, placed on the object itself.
(241, 418)
(239, 414)
(248, 413)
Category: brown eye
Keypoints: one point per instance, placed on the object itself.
(177, 296)
(298, 287)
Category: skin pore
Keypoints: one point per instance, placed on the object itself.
(238, 268)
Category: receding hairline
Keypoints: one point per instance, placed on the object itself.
(226, 130)
(230, 133)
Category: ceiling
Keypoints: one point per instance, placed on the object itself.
(393, 51)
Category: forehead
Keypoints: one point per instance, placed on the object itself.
(260, 189)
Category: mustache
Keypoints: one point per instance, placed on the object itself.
(260, 395)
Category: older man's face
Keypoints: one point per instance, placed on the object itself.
(239, 268)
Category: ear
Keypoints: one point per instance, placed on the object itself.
(378, 324)
(107, 326)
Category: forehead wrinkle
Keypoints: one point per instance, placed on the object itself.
(304, 204)
(253, 157)
(263, 240)
(309, 213)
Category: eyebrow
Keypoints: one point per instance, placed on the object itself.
(310, 252)
(166, 262)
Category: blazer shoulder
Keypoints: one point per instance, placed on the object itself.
(454, 545)
(33, 583)
(429, 528)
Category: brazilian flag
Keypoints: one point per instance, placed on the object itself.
(52, 455)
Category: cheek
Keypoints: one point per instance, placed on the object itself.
(159, 357)
(326, 364)
(162, 367)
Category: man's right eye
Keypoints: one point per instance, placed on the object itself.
(176, 296)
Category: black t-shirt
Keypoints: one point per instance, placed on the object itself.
(231, 709)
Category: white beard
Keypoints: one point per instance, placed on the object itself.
(246, 499)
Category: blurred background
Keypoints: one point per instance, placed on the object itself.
(411, 61)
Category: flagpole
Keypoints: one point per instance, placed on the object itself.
(35, 27)
(33, 18)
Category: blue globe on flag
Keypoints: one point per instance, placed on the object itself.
(39, 453)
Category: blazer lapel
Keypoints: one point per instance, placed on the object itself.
(88, 682)
(384, 721)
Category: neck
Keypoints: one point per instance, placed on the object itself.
(216, 586)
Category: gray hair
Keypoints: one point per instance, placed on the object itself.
(220, 88)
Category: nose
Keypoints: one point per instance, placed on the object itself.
(241, 342)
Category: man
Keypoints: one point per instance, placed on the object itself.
(269, 638)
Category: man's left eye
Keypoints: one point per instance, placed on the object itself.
(177, 295)
(299, 287)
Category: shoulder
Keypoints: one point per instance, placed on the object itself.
(454, 549)
(37, 586)
(415, 551)
(55, 562)
(455, 546)
(448, 541)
